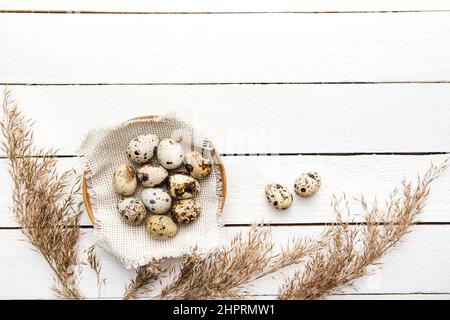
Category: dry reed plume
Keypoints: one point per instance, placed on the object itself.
(353, 250)
(95, 265)
(143, 280)
(44, 202)
(225, 272)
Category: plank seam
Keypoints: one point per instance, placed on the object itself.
(373, 294)
(337, 154)
(286, 154)
(299, 224)
(230, 83)
(324, 224)
(391, 293)
(334, 295)
(273, 295)
(11, 11)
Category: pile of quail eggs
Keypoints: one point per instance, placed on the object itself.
(306, 185)
(167, 197)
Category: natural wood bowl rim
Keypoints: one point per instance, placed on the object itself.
(223, 177)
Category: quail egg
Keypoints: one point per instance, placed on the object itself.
(182, 186)
(278, 196)
(156, 200)
(124, 180)
(132, 210)
(307, 184)
(170, 153)
(141, 148)
(161, 227)
(151, 175)
(185, 211)
(197, 165)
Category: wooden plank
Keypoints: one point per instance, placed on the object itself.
(207, 48)
(255, 119)
(224, 6)
(354, 175)
(419, 265)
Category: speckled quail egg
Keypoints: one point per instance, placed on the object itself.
(132, 210)
(141, 148)
(161, 227)
(307, 184)
(170, 154)
(124, 180)
(157, 201)
(185, 211)
(278, 196)
(182, 186)
(197, 165)
(151, 175)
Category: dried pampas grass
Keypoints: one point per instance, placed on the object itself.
(43, 201)
(226, 272)
(93, 262)
(353, 250)
(142, 282)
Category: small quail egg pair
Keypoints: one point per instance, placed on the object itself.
(125, 180)
(183, 188)
(170, 155)
(163, 227)
(168, 151)
(306, 185)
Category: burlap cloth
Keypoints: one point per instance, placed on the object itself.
(104, 151)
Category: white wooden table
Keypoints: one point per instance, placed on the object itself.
(357, 90)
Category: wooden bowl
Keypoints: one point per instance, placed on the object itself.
(223, 179)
